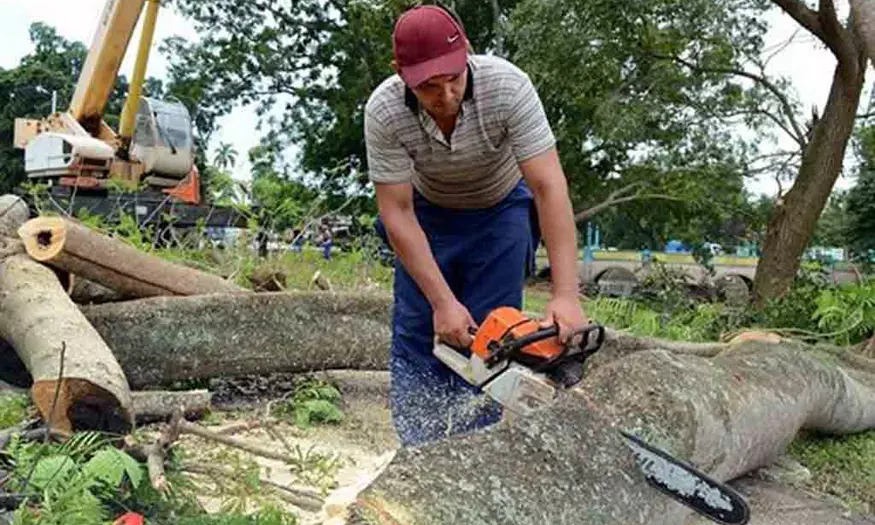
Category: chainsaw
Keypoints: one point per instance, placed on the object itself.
(519, 363)
(523, 366)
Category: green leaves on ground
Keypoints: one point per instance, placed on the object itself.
(313, 401)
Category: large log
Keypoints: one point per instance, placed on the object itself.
(13, 213)
(77, 383)
(727, 414)
(83, 291)
(74, 248)
(160, 340)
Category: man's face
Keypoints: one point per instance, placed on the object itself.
(442, 96)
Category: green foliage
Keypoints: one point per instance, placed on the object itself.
(14, 408)
(861, 202)
(841, 466)
(796, 309)
(832, 227)
(848, 312)
(88, 481)
(313, 63)
(311, 402)
(315, 468)
(70, 483)
(267, 515)
(626, 110)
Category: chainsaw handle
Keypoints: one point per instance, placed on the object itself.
(586, 331)
(553, 331)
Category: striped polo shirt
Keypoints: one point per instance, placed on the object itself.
(501, 124)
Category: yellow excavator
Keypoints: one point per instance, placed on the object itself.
(77, 150)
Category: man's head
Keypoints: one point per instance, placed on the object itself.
(430, 54)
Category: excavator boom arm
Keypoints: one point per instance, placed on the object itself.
(116, 25)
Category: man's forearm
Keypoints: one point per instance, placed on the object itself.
(559, 231)
(411, 246)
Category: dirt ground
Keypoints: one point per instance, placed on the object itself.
(333, 461)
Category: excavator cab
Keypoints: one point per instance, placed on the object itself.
(162, 138)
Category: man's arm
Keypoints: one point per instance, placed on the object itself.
(395, 203)
(534, 146)
(543, 173)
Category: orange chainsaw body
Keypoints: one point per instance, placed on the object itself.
(506, 324)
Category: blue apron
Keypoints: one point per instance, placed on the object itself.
(485, 256)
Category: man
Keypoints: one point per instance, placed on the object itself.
(467, 178)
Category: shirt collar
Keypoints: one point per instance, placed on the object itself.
(412, 102)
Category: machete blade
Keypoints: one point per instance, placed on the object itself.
(683, 482)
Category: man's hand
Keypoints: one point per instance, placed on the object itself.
(565, 310)
(451, 323)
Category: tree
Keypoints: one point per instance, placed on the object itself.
(226, 156)
(309, 67)
(823, 148)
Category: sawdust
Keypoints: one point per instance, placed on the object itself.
(338, 460)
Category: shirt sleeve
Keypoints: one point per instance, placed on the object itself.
(388, 161)
(528, 129)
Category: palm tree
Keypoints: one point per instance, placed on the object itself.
(226, 156)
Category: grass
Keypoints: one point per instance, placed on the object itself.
(14, 408)
(295, 270)
(674, 258)
(843, 467)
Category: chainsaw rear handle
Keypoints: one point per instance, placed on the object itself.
(579, 354)
(583, 347)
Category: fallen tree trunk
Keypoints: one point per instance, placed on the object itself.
(83, 291)
(73, 247)
(165, 339)
(13, 213)
(77, 383)
(155, 405)
(727, 415)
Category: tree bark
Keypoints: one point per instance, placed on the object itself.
(795, 216)
(165, 339)
(83, 291)
(13, 213)
(863, 15)
(72, 247)
(566, 465)
(77, 383)
(155, 405)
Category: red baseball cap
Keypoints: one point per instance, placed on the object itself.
(427, 42)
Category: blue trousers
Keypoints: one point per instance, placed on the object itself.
(485, 256)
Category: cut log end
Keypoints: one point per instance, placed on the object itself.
(76, 404)
(44, 237)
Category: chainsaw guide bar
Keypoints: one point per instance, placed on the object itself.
(683, 482)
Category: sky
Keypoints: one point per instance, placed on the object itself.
(807, 64)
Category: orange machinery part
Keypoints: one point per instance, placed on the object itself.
(507, 323)
(189, 190)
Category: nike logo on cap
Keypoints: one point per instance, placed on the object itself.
(451, 39)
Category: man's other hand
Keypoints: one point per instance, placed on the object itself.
(565, 310)
(451, 323)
